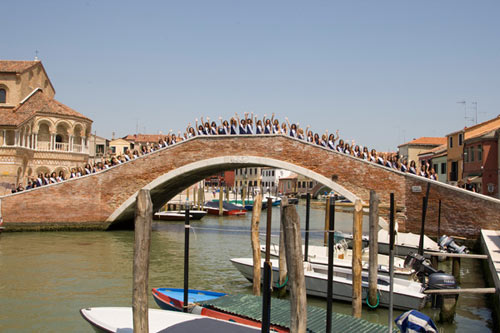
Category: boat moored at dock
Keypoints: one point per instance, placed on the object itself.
(407, 294)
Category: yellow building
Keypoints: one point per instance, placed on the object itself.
(455, 156)
(409, 151)
(37, 133)
(119, 146)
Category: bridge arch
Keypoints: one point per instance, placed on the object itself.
(172, 182)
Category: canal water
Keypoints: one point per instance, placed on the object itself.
(47, 277)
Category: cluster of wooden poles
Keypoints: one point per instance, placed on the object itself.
(290, 248)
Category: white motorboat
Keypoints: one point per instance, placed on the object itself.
(407, 294)
(343, 258)
(120, 320)
(404, 242)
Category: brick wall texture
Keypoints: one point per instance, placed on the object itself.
(94, 198)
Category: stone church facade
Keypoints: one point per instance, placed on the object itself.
(38, 134)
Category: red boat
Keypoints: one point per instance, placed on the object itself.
(227, 208)
(172, 299)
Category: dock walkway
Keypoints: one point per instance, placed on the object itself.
(490, 243)
(250, 306)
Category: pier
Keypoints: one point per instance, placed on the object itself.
(490, 245)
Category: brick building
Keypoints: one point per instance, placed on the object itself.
(481, 164)
(37, 133)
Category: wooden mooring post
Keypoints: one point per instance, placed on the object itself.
(221, 201)
(142, 247)
(294, 260)
(282, 253)
(257, 207)
(357, 244)
(373, 251)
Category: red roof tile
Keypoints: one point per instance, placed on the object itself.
(426, 141)
(16, 66)
(144, 138)
(37, 103)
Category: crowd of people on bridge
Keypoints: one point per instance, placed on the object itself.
(249, 124)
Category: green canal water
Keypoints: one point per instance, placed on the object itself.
(47, 277)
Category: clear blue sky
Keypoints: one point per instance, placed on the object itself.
(379, 71)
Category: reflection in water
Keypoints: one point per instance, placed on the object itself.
(47, 277)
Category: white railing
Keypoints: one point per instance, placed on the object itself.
(62, 146)
(77, 148)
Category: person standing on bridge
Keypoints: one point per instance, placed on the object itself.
(242, 125)
(249, 121)
(258, 127)
(234, 125)
(268, 129)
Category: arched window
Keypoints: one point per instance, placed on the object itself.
(3, 95)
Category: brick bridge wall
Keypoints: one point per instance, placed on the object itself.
(93, 200)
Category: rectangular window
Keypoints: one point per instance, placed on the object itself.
(435, 167)
(310, 184)
(443, 168)
(466, 154)
(125, 149)
(480, 153)
(272, 173)
(250, 171)
(451, 142)
(113, 149)
(272, 184)
(460, 139)
(255, 170)
(299, 185)
(471, 154)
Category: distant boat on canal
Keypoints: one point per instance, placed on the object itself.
(248, 204)
(227, 208)
(179, 215)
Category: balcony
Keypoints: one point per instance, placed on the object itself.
(62, 146)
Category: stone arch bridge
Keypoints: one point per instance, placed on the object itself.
(107, 199)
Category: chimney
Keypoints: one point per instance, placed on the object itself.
(113, 136)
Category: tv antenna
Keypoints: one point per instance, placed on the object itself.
(464, 103)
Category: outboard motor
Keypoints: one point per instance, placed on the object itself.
(441, 281)
(419, 264)
(449, 244)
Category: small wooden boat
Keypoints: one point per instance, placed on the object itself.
(248, 204)
(275, 200)
(196, 214)
(115, 319)
(227, 208)
(170, 216)
(343, 258)
(407, 294)
(173, 299)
